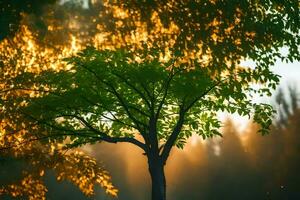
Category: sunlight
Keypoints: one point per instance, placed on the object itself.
(240, 122)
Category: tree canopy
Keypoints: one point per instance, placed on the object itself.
(11, 14)
(227, 30)
(109, 96)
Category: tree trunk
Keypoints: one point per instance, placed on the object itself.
(156, 169)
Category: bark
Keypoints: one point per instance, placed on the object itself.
(156, 169)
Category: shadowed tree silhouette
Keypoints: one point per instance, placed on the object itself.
(289, 162)
(274, 157)
(290, 179)
(230, 166)
(287, 104)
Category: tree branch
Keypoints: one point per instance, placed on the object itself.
(134, 88)
(116, 94)
(106, 137)
(173, 137)
(202, 95)
(166, 88)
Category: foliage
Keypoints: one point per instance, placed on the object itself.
(12, 10)
(227, 30)
(38, 158)
(17, 140)
(109, 96)
(30, 187)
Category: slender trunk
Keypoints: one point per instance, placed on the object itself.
(156, 169)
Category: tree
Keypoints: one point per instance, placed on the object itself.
(230, 168)
(286, 108)
(277, 167)
(156, 100)
(107, 96)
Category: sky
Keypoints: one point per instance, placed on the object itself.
(290, 75)
(290, 72)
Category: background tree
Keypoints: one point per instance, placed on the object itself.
(230, 164)
(287, 104)
(273, 158)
